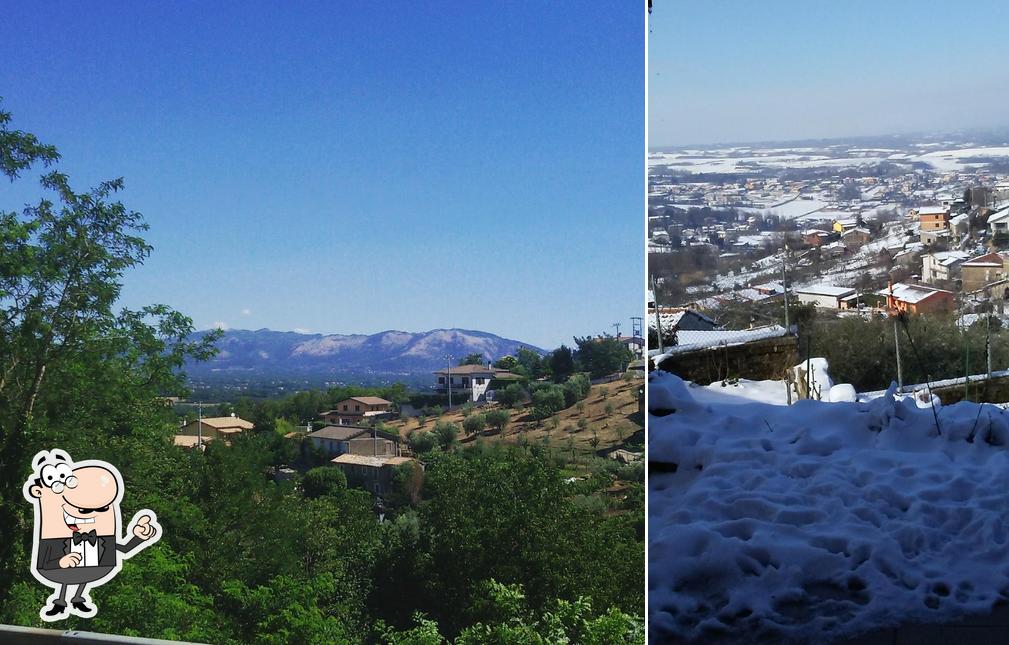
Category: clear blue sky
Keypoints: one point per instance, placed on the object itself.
(733, 71)
(355, 167)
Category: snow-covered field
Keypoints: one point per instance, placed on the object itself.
(817, 521)
(733, 160)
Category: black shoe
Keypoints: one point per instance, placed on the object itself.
(56, 609)
(82, 606)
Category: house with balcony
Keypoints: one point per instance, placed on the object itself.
(357, 410)
(943, 266)
(470, 382)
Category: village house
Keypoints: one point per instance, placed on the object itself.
(814, 237)
(823, 295)
(998, 222)
(210, 429)
(933, 218)
(470, 381)
(856, 238)
(842, 225)
(357, 410)
(980, 271)
(374, 474)
(674, 319)
(943, 266)
(354, 440)
(917, 299)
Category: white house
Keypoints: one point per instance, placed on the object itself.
(998, 222)
(823, 295)
(469, 381)
(942, 266)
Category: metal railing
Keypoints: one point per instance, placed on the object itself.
(15, 635)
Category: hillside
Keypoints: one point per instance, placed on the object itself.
(612, 429)
(264, 352)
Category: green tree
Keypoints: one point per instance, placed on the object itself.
(498, 419)
(561, 363)
(474, 423)
(507, 363)
(472, 359)
(73, 372)
(447, 433)
(422, 441)
(512, 395)
(601, 356)
(547, 401)
(324, 480)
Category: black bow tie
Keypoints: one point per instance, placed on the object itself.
(85, 536)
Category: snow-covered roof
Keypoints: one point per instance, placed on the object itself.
(989, 260)
(911, 293)
(999, 215)
(694, 340)
(826, 290)
(857, 229)
(932, 210)
(950, 258)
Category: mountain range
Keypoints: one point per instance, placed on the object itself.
(264, 352)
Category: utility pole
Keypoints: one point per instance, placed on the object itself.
(896, 346)
(784, 283)
(617, 327)
(658, 316)
(987, 339)
(448, 378)
(891, 306)
(199, 425)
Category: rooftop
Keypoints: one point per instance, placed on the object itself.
(225, 423)
(911, 293)
(372, 462)
(826, 290)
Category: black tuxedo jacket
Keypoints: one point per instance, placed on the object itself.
(52, 549)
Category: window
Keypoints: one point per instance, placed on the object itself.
(478, 380)
(344, 407)
(441, 380)
(357, 408)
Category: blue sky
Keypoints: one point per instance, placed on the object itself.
(735, 71)
(355, 167)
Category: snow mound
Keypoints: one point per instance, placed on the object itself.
(819, 521)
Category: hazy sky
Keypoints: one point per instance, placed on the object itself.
(732, 71)
(355, 167)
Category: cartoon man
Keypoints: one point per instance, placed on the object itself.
(77, 520)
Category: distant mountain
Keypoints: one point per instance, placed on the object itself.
(264, 352)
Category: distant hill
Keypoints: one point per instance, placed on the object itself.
(264, 352)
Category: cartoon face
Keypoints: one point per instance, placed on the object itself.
(85, 498)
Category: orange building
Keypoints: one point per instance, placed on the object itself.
(933, 218)
(917, 299)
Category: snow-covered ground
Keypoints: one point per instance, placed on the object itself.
(817, 521)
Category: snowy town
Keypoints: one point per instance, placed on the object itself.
(827, 405)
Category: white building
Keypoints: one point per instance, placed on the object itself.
(470, 381)
(943, 266)
(823, 295)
